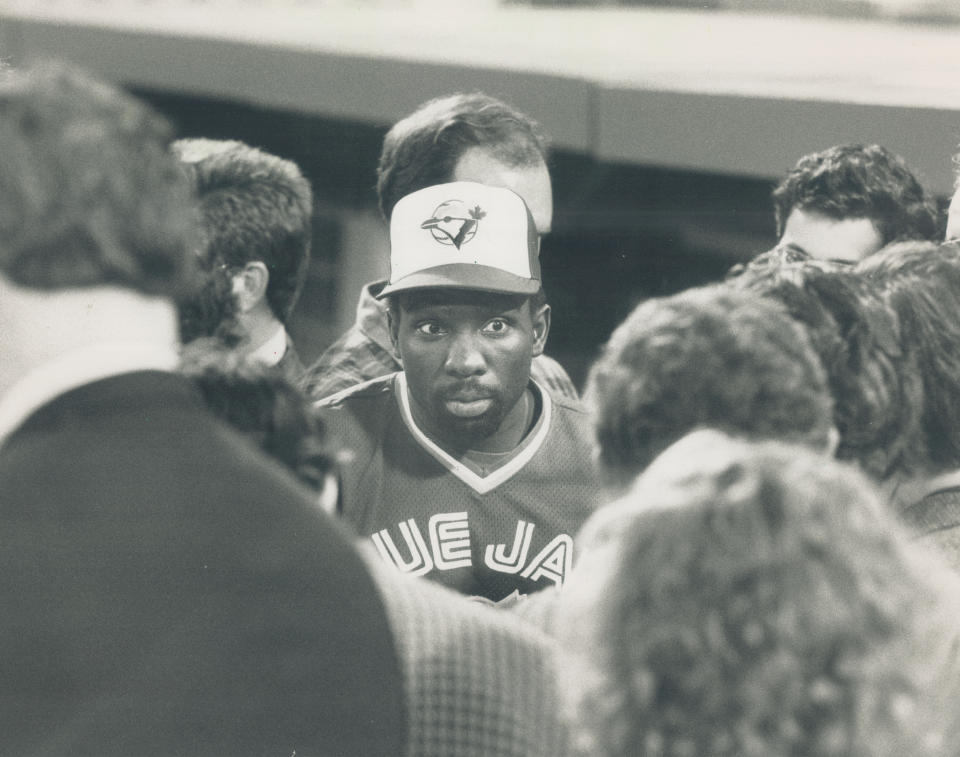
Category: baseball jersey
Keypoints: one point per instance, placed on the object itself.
(429, 514)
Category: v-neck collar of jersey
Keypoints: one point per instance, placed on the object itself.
(530, 445)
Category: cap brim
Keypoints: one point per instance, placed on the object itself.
(464, 276)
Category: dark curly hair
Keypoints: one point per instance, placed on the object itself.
(710, 356)
(920, 282)
(264, 405)
(757, 600)
(860, 181)
(873, 377)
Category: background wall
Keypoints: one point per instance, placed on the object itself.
(670, 127)
(622, 232)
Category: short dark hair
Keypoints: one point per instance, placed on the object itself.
(89, 193)
(709, 356)
(920, 282)
(875, 385)
(254, 206)
(264, 405)
(859, 181)
(757, 598)
(422, 149)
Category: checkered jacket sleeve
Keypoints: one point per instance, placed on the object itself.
(352, 359)
(479, 682)
(539, 610)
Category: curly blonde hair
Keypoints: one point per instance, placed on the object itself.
(756, 599)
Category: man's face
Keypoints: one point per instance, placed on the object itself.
(466, 356)
(953, 217)
(825, 238)
(532, 182)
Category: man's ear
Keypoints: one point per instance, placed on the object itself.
(541, 327)
(250, 285)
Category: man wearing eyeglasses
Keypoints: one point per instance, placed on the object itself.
(846, 202)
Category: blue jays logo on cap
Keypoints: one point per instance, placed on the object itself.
(474, 237)
(453, 223)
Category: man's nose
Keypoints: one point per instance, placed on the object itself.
(464, 357)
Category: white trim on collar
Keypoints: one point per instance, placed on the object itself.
(480, 484)
(74, 369)
(271, 352)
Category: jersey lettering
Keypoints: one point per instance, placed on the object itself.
(497, 558)
(552, 562)
(420, 561)
(449, 549)
(450, 540)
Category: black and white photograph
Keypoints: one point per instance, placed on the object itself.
(479, 378)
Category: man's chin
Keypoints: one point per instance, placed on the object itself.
(467, 410)
(465, 431)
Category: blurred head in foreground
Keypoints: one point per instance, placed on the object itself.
(920, 283)
(757, 599)
(96, 220)
(704, 357)
(872, 376)
(263, 404)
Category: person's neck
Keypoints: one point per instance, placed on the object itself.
(40, 325)
(258, 326)
(513, 429)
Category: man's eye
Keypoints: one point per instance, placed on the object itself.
(430, 328)
(496, 326)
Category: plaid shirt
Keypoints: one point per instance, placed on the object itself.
(366, 352)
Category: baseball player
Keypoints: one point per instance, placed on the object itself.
(461, 468)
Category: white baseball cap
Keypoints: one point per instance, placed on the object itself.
(463, 235)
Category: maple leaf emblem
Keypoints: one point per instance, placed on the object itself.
(453, 223)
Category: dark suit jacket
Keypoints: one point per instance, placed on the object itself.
(166, 590)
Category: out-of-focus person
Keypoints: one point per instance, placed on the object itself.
(255, 218)
(267, 407)
(167, 588)
(873, 378)
(920, 282)
(705, 357)
(755, 598)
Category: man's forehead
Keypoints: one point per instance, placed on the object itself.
(530, 181)
(420, 299)
(827, 238)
